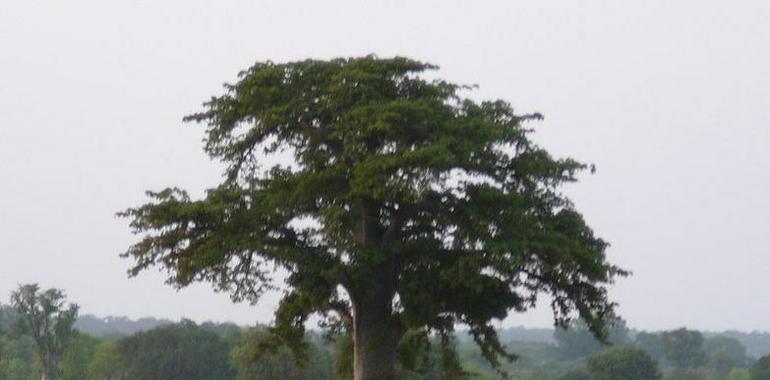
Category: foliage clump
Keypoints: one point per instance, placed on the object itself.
(623, 363)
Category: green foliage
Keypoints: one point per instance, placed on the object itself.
(421, 357)
(76, 358)
(757, 343)
(45, 317)
(426, 357)
(449, 361)
(19, 369)
(175, 352)
(534, 376)
(576, 374)
(8, 318)
(342, 357)
(250, 364)
(724, 350)
(19, 359)
(761, 369)
(688, 374)
(623, 363)
(721, 362)
(356, 175)
(414, 353)
(683, 348)
(577, 341)
(106, 362)
(651, 343)
(739, 374)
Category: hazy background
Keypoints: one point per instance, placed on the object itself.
(670, 99)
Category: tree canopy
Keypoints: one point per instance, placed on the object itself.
(623, 363)
(393, 203)
(175, 352)
(684, 348)
(47, 318)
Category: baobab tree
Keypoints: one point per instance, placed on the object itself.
(393, 203)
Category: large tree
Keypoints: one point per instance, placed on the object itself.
(46, 317)
(390, 200)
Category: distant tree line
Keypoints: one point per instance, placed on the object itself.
(40, 338)
(114, 327)
(680, 354)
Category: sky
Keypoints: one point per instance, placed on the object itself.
(669, 99)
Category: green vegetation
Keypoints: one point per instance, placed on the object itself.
(396, 205)
(245, 357)
(44, 317)
(622, 363)
(739, 374)
(224, 351)
(399, 211)
(683, 348)
(175, 352)
(761, 369)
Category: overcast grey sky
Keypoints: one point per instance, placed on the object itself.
(670, 100)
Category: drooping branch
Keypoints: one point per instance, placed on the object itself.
(223, 238)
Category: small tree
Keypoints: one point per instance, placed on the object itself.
(623, 363)
(46, 318)
(393, 203)
(683, 348)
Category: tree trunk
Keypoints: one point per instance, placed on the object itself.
(375, 339)
(51, 367)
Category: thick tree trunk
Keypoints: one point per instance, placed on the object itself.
(374, 355)
(375, 339)
(375, 331)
